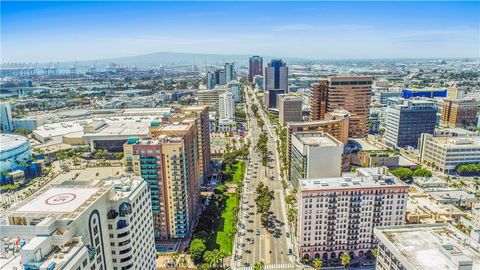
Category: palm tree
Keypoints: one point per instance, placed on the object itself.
(345, 258)
(212, 257)
(222, 255)
(259, 266)
(317, 264)
(476, 185)
(175, 258)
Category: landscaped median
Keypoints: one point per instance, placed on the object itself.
(225, 227)
(215, 232)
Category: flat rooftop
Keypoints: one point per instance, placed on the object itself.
(122, 128)
(459, 142)
(423, 204)
(316, 139)
(175, 127)
(363, 178)
(57, 200)
(430, 247)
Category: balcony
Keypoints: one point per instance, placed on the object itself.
(148, 159)
(112, 214)
(121, 235)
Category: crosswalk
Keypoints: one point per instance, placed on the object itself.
(271, 266)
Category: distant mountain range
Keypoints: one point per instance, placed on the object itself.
(174, 58)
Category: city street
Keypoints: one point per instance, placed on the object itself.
(254, 242)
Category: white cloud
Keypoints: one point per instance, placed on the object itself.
(310, 27)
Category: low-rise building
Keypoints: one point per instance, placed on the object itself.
(210, 98)
(452, 196)
(425, 247)
(81, 224)
(338, 214)
(422, 208)
(447, 153)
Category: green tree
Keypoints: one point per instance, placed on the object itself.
(403, 173)
(420, 172)
(345, 258)
(174, 256)
(263, 201)
(197, 248)
(317, 263)
(259, 266)
(375, 252)
(210, 257)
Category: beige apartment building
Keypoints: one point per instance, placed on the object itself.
(169, 164)
(338, 214)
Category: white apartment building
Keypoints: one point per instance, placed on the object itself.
(447, 153)
(226, 106)
(338, 214)
(314, 154)
(94, 225)
(425, 247)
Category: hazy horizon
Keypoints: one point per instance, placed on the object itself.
(88, 31)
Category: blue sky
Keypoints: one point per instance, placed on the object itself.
(64, 31)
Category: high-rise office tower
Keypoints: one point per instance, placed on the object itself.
(168, 163)
(354, 95)
(211, 80)
(6, 121)
(406, 122)
(338, 214)
(229, 72)
(460, 113)
(255, 67)
(226, 106)
(276, 81)
(220, 77)
(318, 100)
(235, 88)
(289, 108)
(82, 224)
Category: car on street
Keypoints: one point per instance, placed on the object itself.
(287, 234)
(257, 232)
(290, 251)
(368, 263)
(252, 241)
